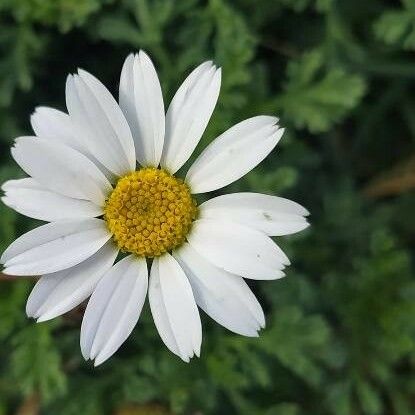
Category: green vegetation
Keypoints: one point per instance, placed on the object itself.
(340, 335)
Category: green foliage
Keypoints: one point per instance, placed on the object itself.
(340, 335)
(317, 99)
(64, 14)
(22, 47)
(36, 364)
(301, 5)
(397, 27)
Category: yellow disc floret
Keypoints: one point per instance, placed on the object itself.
(149, 212)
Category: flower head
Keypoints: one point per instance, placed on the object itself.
(83, 181)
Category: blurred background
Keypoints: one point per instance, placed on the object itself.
(340, 335)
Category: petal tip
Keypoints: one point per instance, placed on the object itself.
(69, 77)
(84, 352)
(185, 359)
(130, 55)
(99, 360)
(46, 316)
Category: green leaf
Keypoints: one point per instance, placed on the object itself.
(369, 398)
(397, 27)
(316, 97)
(65, 14)
(16, 70)
(36, 363)
(300, 5)
(304, 339)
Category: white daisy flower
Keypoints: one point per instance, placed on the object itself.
(83, 181)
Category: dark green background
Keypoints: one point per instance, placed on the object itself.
(340, 335)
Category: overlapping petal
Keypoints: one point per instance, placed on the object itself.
(234, 153)
(61, 169)
(55, 294)
(223, 296)
(106, 131)
(141, 100)
(58, 126)
(114, 309)
(55, 125)
(173, 308)
(273, 215)
(54, 247)
(188, 115)
(30, 198)
(238, 249)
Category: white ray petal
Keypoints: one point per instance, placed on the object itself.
(223, 296)
(57, 293)
(54, 247)
(270, 214)
(30, 198)
(173, 308)
(56, 125)
(141, 100)
(234, 153)
(114, 309)
(159, 312)
(238, 249)
(95, 111)
(189, 114)
(61, 169)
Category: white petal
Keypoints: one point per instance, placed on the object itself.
(54, 247)
(141, 100)
(159, 312)
(30, 198)
(58, 126)
(55, 294)
(114, 309)
(61, 169)
(270, 214)
(95, 110)
(234, 153)
(189, 114)
(173, 308)
(223, 296)
(238, 249)
(55, 125)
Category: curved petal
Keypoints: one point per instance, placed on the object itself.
(54, 247)
(106, 130)
(56, 125)
(173, 308)
(30, 198)
(238, 249)
(57, 293)
(141, 100)
(273, 215)
(189, 114)
(223, 296)
(61, 169)
(114, 309)
(234, 153)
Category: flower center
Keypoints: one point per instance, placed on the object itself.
(149, 212)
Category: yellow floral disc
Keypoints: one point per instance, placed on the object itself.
(150, 212)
